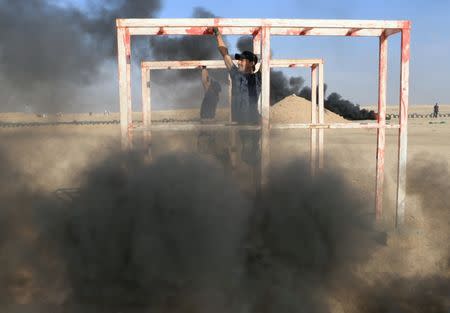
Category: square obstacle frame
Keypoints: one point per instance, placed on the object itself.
(262, 30)
(317, 108)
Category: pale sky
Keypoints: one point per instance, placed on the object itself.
(351, 63)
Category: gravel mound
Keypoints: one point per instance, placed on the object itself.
(294, 109)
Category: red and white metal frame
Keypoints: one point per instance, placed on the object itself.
(381, 119)
(262, 30)
(313, 131)
(321, 115)
(403, 133)
(314, 64)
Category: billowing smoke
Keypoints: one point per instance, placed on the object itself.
(408, 295)
(48, 51)
(305, 241)
(155, 234)
(166, 236)
(23, 259)
(428, 180)
(306, 92)
(347, 109)
(177, 235)
(245, 43)
(185, 48)
(282, 86)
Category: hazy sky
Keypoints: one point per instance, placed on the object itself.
(351, 63)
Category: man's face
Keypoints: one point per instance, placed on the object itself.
(245, 66)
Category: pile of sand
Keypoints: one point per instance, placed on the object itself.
(293, 109)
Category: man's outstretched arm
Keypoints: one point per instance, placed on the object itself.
(223, 49)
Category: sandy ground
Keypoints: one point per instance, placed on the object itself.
(53, 157)
(419, 109)
(289, 110)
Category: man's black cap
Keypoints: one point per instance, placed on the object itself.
(246, 55)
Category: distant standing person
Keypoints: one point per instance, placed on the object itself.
(436, 110)
(212, 90)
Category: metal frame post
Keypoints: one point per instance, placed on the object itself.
(257, 170)
(146, 98)
(257, 51)
(381, 120)
(265, 105)
(313, 131)
(403, 131)
(229, 96)
(146, 110)
(123, 60)
(257, 43)
(321, 116)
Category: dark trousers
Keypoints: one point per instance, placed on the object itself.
(251, 148)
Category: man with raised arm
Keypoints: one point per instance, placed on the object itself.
(245, 93)
(212, 90)
(245, 83)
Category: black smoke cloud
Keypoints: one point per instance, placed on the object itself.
(178, 235)
(24, 259)
(343, 107)
(282, 86)
(347, 109)
(245, 43)
(301, 245)
(186, 48)
(48, 49)
(151, 233)
(413, 295)
(187, 81)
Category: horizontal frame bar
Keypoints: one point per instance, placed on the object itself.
(286, 23)
(280, 31)
(194, 64)
(349, 32)
(348, 125)
(196, 126)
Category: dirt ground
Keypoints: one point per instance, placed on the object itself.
(53, 157)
